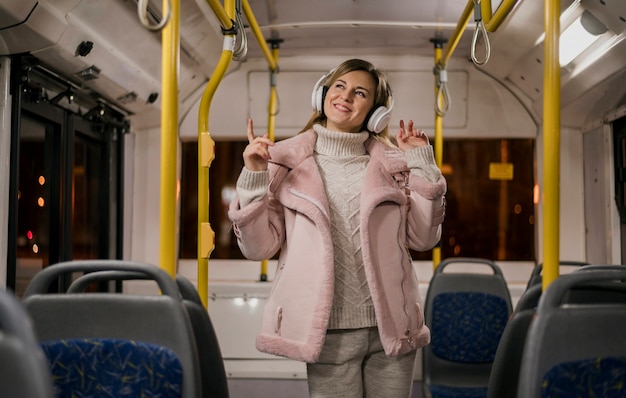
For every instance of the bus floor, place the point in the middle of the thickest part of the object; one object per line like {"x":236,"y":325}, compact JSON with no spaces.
{"x":282,"y":388}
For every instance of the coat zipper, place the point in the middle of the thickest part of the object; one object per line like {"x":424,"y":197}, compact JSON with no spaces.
{"x":311,"y":199}
{"x":405,"y":252}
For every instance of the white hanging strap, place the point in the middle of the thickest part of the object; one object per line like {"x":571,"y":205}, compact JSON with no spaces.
{"x":442,"y":101}
{"x":480,"y":29}
{"x":142,"y":12}
{"x":241,"y":48}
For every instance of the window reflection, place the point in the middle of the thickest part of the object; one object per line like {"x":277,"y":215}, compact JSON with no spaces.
{"x":488,"y":215}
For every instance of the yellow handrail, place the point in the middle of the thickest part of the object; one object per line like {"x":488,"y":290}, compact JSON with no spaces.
{"x":492,"y":23}
{"x":456,"y":35}
{"x":226,"y":18}
{"x":206,"y":154}
{"x":551,"y":142}
{"x":271,"y":124}
{"x":169,"y":137}
{"x":438,"y":147}
{"x":273,"y":63}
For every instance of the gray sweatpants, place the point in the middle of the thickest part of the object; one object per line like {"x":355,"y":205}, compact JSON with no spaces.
{"x":353,"y":364}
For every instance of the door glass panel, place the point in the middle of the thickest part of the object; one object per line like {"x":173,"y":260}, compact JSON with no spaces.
{"x":88,"y":235}
{"x":34,"y":201}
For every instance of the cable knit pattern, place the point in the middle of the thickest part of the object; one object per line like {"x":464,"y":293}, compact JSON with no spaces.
{"x":252,"y":185}
{"x":342,"y":160}
{"x":421,"y":161}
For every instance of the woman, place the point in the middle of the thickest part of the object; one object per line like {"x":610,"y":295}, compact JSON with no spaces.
{"x":342,"y":203}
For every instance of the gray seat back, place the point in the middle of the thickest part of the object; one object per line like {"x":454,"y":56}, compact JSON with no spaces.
{"x":158,"y":320}
{"x":537,"y":273}
{"x":505,"y":370}
{"x":23,"y":367}
{"x":466,"y":313}
{"x":213,"y":373}
{"x":577,"y":349}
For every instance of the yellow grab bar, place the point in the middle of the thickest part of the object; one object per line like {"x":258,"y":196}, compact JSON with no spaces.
{"x":456,"y":35}
{"x":169,"y":138}
{"x":551,"y":142}
{"x":206,"y":154}
{"x":271,"y":122}
{"x":225,"y":19}
{"x":492,"y":23}
{"x":259,"y":35}
{"x":438,"y":145}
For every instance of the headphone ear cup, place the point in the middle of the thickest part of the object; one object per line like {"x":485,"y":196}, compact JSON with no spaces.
{"x":379,"y":119}
{"x":318,"y":98}
{"x":319,"y":92}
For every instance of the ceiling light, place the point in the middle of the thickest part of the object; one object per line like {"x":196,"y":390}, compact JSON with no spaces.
{"x":579,"y":36}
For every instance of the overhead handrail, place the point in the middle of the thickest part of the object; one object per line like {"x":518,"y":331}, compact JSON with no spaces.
{"x":551,"y":142}
{"x":226,"y":21}
{"x":480,"y":30}
{"x":456,"y":35}
{"x":491,"y":22}
{"x":170,"y":37}
{"x":254,"y":26}
{"x":206,"y":145}
{"x":142,"y":12}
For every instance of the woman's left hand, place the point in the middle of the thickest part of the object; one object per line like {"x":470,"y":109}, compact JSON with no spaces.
{"x":410,"y":138}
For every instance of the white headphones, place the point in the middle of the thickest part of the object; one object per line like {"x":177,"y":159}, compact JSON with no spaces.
{"x":378,"y":118}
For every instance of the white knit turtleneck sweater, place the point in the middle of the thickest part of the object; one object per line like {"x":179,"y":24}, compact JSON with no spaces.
{"x":342,"y":160}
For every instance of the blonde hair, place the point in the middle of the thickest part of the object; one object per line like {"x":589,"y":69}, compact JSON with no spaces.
{"x":382,"y":95}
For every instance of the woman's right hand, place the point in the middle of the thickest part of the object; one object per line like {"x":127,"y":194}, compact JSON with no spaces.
{"x":256,"y":154}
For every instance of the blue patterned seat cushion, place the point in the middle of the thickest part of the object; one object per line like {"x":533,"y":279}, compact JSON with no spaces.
{"x":593,"y":377}
{"x":467,"y":326}
{"x":113,"y":368}
{"x":438,"y":391}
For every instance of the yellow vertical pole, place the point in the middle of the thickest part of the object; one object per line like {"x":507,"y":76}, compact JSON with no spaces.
{"x":438,"y":42}
{"x":206,"y":154}
{"x":551,"y":141}
{"x":271,"y":122}
{"x":169,"y":137}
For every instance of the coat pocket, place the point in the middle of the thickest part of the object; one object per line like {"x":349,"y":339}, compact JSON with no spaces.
{"x":278,"y":319}
{"x":419,"y":316}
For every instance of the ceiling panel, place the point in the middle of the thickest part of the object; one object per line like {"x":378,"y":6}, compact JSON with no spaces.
{"x":357,"y":26}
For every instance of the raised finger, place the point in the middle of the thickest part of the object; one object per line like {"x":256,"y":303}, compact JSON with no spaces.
{"x":402,"y":131}
{"x":250,"y":131}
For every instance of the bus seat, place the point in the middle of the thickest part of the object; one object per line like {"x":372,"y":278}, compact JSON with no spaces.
{"x":214,"y":381}
{"x":575,"y":348}
{"x":114,"y":367}
{"x":504,"y":376}
{"x":466,"y":313}
{"x":144,"y":323}
{"x":213,"y":373}
{"x":536,"y":274}
{"x":23,"y":368}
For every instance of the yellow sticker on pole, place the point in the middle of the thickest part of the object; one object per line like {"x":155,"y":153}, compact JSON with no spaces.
{"x":500,"y":171}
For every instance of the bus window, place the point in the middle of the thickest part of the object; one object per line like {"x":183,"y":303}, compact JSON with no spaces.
{"x":490,"y":212}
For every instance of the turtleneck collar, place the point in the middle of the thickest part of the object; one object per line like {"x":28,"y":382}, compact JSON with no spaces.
{"x":333,"y":143}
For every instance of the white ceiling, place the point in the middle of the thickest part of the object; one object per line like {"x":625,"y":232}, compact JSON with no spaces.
{"x":353,"y":26}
